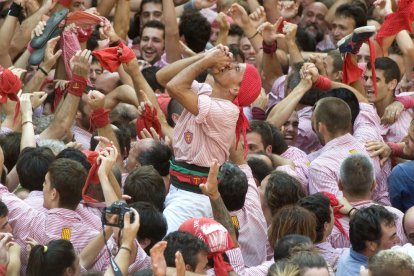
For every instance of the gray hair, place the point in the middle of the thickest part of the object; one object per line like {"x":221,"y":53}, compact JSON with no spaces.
{"x":357,"y":174}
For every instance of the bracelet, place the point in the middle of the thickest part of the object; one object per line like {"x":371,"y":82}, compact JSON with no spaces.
{"x":27,"y":123}
{"x":15,"y":10}
{"x":323,"y":83}
{"x":256,"y":33}
{"x":350,"y":211}
{"x":43,"y":71}
{"x":126,"y":248}
{"x":77,"y":85}
{"x":396,"y":149}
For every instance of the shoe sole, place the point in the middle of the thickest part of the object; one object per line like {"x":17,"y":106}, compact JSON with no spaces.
{"x":51,"y":25}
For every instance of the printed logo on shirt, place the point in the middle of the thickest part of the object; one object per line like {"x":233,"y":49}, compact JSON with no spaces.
{"x":235,"y":221}
{"x":307,"y":163}
{"x":188,"y":137}
{"x":352,"y":151}
{"x":66,"y":234}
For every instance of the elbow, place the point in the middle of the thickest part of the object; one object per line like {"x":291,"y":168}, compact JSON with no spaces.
{"x":160,"y":78}
{"x":171,"y":87}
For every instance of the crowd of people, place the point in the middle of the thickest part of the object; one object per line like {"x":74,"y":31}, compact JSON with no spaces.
{"x":206,"y":137}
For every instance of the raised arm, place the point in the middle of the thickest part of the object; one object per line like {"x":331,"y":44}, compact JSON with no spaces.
{"x":121,"y":18}
{"x":172,"y":36}
{"x":7,"y":31}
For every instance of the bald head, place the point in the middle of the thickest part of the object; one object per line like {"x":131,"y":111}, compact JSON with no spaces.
{"x":408,"y":224}
{"x":313,"y":18}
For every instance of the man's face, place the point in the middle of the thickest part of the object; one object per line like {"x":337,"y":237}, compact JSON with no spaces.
{"x":201,"y":266}
{"x":382,"y":86}
{"x":409,"y":142}
{"x":389,"y":236}
{"x":290,"y":129}
{"x":214,"y":34}
{"x":47,"y":192}
{"x":231,"y":76}
{"x":341,"y":27}
{"x":313,"y":19}
{"x":4,"y":225}
{"x":233,"y":40}
{"x":77,"y":5}
{"x":254,"y":140}
{"x":94,"y":71}
{"x":248,"y":51}
{"x":152,"y":44}
{"x":363,"y":54}
{"x":150,"y":11}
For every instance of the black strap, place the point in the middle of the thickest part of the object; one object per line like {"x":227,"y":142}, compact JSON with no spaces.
{"x":115,"y":267}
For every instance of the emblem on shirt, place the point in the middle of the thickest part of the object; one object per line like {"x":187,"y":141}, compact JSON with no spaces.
{"x":66,"y":234}
{"x":352,"y":151}
{"x":235,"y":221}
{"x":188,"y":137}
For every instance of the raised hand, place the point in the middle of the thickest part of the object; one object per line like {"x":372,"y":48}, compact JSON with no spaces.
{"x":270,"y":31}
{"x":96,"y":99}
{"x":130,"y":230}
{"x":289,"y":29}
{"x":239,"y":15}
{"x":392,"y":113}
{"x":223,"y":23}
{"x":81,"y":62}
{"x":159,"y":265}
{"x":309,"y":70}
{"x":38,"y":30}
{"x":258,"y":17}
{"x":288,"y":9}
{"x":37,"y":98}
{"x":219,"y":57}
{"x":51,"y":57}
{"x":378,"y":148}
{"x":107,"y":159}
{"x":210,"y":188}
{"x":203,"y":4}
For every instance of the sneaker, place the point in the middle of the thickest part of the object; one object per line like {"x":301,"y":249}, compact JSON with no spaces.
{"x":352,"y":42}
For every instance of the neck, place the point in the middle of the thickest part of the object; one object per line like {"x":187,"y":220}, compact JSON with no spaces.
{"x":219,"y":92}
{"x":382,"y":105}
{"x":354,"y":198}
{"x":329,"y":137}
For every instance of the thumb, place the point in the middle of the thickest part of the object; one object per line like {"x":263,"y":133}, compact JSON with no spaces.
{"x":203,"y":188}
{"x":57,"y":54}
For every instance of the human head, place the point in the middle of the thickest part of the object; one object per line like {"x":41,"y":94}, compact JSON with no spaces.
{"x":293,"y":80}
{"x":372,"y":229}
{"x":32,"y":167}
{"x":194,"y":30}
{"x":279,"y":144}
{"x":58,"y":258}
{"x":319,"y":204}
{"x":4,"y":219}
{"x":153,"y":225}
{"x":313,"y":20}
{"x":347,"y":18}
{"x":107,"y":82}
{"x":193,"y":250}
{"x":77,"y":5}
{"x":63,"y":184}
{"x":331,"y":118}
{"x":149,"y":75}
{"x":248,"y":50}
{"x":283,"y":267}
{"x":292,"y":219}
{"x":233,"y":186}
{"x":408,"y":148}
{"x":234,"y":36}
{"x":363,"y":55}
{"x":290,"y":129}
{"x":408,"y":224}
{"x":157,"y":156}
{"x":10,"y":143}
{"x":391,"y":262}
{"x":347,"y":96}
{"x":95,"y":70}
{"x":261,"y":166}
{"x":259,"y":137}
{"x":285,"y":245}
{"x":174,"y":110}
{"x":146,"y":184}
{"x":150,"y":10}
{"x":310,"y":263}
{"x":357,"y":176}
{"x":76,"y":155}
{"x":387,"y":75}
{"x":152,"y":41}
{"x":333,"y":64}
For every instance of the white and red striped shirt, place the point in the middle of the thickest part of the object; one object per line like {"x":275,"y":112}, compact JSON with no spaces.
{"x":237,"y":262}
{"x":306,"y":139}
{"x":330,"y":254}
{"x":82,"y":136}
{"x":398,"y":130}
{"x":301,"y":161}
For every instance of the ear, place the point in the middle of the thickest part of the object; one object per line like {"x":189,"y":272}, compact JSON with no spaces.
{"x":188,"y":268}
{"x":175,"y":117}
{"x":144,"y":243}
{"x":269,"y":149}
{"x":55,"y":194}
{"x":234,"y":90}
{"x":68,"y":271}
{"x":338,"y":76}
{"x":371,"y":246}
{"x":325,"y":227}
{"x":78,"y":115}
{"x":392,"y":84}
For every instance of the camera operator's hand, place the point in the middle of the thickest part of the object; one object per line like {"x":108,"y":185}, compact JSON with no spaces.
{"x":130,"y":230}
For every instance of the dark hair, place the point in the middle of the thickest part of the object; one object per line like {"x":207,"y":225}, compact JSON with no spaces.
{"x":279,"y":144}
{"x":236,"y":51}
{"x":149,"y":75}
{"x":32,"y":167}
{"x":146,"y":184}
{"x":306,"y":41}
{"x":76,"y":155}
{"x":308,"y":259}
{"x":123,"y":138}
{"x":352,"y":11}
{"x":284,"y":246}
{"x":260,"y":169}
{"x":233,"y":186}
{"x":389,"y":66}
{"x":293,"y":79}
{"x":196,"y":30}
{"x":10,"y":143}
{"x":334,"y":113}
{"x":59,"y":255}
{"x":282,"y":189}
{"x":158,"y":156}
{"x":153,"y":225}
{"x":365,"y":225}
{"x":67,"y":177}
{"x":4,"y":211}
{"x":154,"y":24}
{"x":347,"y":96}
{"x":263,"y":129}
{"x":357,"y":175}
{"x":337,"y":63}
{"x":134,"y":27}
{"x":173,"y":107}
{"x":189,"y":246}
{"x":235,"y":30}
{"x":318,"y":204}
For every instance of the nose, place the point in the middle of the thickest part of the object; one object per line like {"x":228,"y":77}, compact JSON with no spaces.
{"x":93,"y":75}
{"x":152,"y":17}
{"x":289,"y":127}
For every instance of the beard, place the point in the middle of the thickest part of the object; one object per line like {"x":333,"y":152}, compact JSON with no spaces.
{"x":314,"y":31}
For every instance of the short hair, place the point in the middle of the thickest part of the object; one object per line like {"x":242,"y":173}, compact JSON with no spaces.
{"x":154,"y":24}
{"x":306,"y":259}
{"x":76,"y":155}
{"x":292,"y":220}
{"x":196,"y":30}
{"x":10,"y":143}
{"x":32,"y":167}
{"x":357,"y":174}
{"x":233,"y":186}
{"x":4,"y":211}
{"x":365,"y":225}
{"x":285,"y":245}
{"x":318,"y":204}
{"x":68,"y":178}
{"x":334,"y":113}
{"x":149,"y":75}
{"x":352,"y":11}
{"x":389,"y":67}
{"x":153,"y":225}
{"x":173,"y":107}
{"x":282,"y":189}
{"x":189,"y":246}
{"x":146,"y":184}
{"x":263,"y":129}
{"x":391,"y":262}
{"x":338,"y":62}
{"x":293,"y":79}
{"x":158,"y":156}
{"x":260,"y":169}
{"x":347,"y":96}
{"x":235,"y":30}
{"x":236,"y":51}
{"x":279,"y":144}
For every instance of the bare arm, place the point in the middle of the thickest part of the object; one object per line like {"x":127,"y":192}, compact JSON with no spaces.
{"x":272,"y":10}
{"x":121,"y":19}
{"x":172,"y":37}
{"x":88,"y":254}
{"x":105,"y":6}
{"x":6,"y":33}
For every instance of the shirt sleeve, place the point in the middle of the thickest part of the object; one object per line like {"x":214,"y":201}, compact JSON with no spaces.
{"x":321,"y":179}
{"x":367,"y":124}
{"x":237,"y":262}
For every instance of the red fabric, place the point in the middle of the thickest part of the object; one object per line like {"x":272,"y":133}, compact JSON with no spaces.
{"x":58,"y":97}
{"x":216,"y":25}
{"x":3,"y":270}
{"x":215,"y":236}
{"x":407,"y":101}
{"x":10,"y":84}
{"x":395,"y":22}
{"x":65,"y":3}
{"x":147,"y":120}
{"x":112,"y":57}
{"x":92,"y":175}
{"x":99,"y":118}
{"x":83,"y":34}
{"x":84,"y":19}
{"x":337,"y":215}
{"x":396,"y":148}
{"x":249,"y":90}
{"x":323,"y":83}
{"x":163,"y":101}
{"x":351,"y":71}
{"x":77,"y":85}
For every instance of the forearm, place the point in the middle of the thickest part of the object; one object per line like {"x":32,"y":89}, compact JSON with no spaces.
{"x":108,"y":191}
{"x":88,"y":254}
{"x":115,"y":185}
{"x":28,"y":134}
{"x":222,"y":37}
{"x":221,"y":215}
{"x":124,"y":94}
{"x":105,"y":6}
{"x":109,"y":133}
{"x":122,"y":259}
{"x":23,"y":61}
{"x":361,"y":98}
{"x":271,"y":69}
{"x":121,"y":19}
{"x":294,"y":54}
{"x":172,"y":36}
{"x":6,"y":33}
{"x":272,"y":10}
{"x":36,"y":81}
{"x":253,"y":4}
{"x":12,"y":180}
{"x":13,"y":268}
{"x":255,"y":38}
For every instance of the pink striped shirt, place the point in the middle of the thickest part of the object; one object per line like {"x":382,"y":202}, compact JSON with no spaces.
{"x":252,"y":224}
{"x":338,"y":240}
{"x":82,"y":136}
{"x":199,"y":139}
{"x":44,"y":227}
{"x":306,"y":139}
{"x":237,"y":262}
{"x":330,"y":254}
{"x":398,"y":130}
{"x":301,"y":161}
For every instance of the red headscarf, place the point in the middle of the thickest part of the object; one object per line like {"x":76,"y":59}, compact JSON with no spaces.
{"x":112,"y":57}
{"x":10,"y":84}
{"x":248,"y":92}
{"x":215,"y":236}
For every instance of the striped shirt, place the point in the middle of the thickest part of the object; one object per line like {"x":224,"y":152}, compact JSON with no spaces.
{"x":338,"y":240}
{"x":398,"y":130}
{"x":82,"y":137}
{"x":301,"y":161}
{"x":330,"y":254}
{"x":306,"y":139}
{"x":237,"y":262}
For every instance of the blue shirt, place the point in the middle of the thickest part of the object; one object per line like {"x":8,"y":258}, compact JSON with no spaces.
{"x":350,"y":263}
{"x":401,"y":186}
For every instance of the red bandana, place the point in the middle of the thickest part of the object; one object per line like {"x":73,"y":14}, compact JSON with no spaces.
{"x":112,"y":57}
{"x":147,"y":120}
{"x":335,"y":205}
{"x":10,"y":84}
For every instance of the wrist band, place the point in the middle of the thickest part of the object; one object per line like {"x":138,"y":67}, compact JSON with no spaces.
{"x":269,"y":49}
{"x":350,"y":211}
{"x":99,"y":118}
{"x":42,"y":70}
{"x":258,"y":114}
{"x":15,"y":10}
{"x":396,"y":148}
{"x":77,"y":85}
{"x":256,"y":33}
{"x":322,"y":83}
{"x":126,"y":248}
{"x":27,"y":123}
{"x":407,"y":101}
